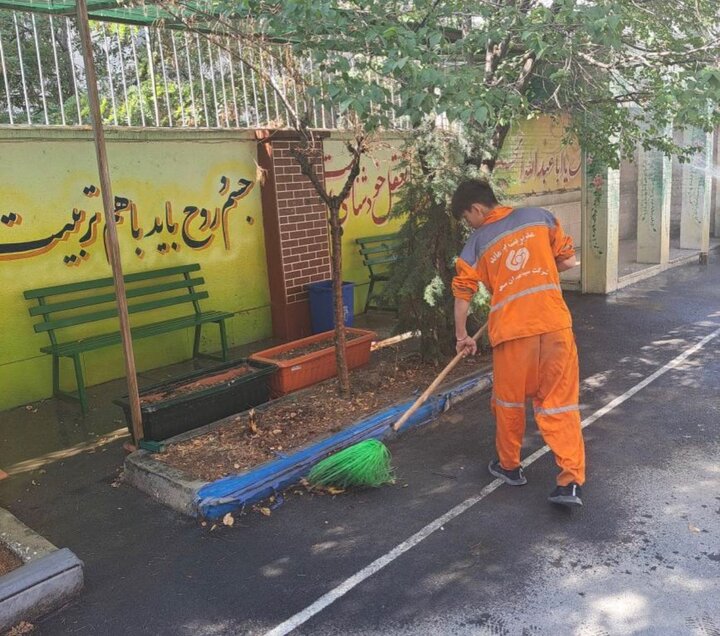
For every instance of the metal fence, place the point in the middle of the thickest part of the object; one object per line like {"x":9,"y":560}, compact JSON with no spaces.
{"x":147,"y":77}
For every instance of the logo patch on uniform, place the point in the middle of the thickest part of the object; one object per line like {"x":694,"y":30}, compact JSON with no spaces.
{"x":517,"y":259}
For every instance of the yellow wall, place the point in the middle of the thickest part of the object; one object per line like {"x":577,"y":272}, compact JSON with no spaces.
{"x":365,"y":212}
{"x":46,"y":191}
{"x":534,"y":160}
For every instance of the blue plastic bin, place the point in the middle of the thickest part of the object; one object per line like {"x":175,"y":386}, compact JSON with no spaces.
{"x":322,"y":316}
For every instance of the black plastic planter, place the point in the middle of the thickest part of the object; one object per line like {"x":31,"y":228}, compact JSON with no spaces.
{"x":178,"y":414}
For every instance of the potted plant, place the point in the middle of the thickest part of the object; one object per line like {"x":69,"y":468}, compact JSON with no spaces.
{"x":310,"y":360}
{"x":201,"y":397}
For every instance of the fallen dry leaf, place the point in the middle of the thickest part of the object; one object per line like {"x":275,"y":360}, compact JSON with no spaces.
{"x":228,"y":520}
{"x":266,"y":511}
{"x":693,"y":528}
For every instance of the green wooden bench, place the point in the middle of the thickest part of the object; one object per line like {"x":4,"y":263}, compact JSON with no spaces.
{"x":378,"y":252}
{"x":65,"y":306}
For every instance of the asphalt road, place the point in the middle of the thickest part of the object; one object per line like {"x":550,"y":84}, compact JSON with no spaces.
{"x":642,"y":557}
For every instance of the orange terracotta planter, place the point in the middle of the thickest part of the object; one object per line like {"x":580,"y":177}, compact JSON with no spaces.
{"x":305,"y":370}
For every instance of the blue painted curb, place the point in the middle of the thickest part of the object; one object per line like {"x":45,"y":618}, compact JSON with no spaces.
{"x":228,"y":494}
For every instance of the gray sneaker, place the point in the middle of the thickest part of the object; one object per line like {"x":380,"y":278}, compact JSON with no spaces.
{"x":510,"y":477}
{"x":570,"y":495}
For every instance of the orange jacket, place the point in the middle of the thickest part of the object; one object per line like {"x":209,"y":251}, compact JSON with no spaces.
{"x":514,"y":254}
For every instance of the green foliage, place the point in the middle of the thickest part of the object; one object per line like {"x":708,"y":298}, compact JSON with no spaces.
{"x":420,"y":280}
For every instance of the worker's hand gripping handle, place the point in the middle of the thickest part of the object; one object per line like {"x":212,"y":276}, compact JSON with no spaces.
{"x":428,"y":392}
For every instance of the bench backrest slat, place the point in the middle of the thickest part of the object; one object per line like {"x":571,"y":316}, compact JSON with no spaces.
{"x":382,"y":249}
{"x":100,"y":299}
{"x":378,"y":250}
{"x":111,"y":313}
{"x":382,"y":260}
{"x":108,"y":282}
{"x":365,"y":240}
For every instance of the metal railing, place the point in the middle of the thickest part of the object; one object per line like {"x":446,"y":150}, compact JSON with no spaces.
{"x":147,"y":76}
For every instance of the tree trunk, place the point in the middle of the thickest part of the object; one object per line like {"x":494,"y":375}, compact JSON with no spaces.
{"x":336,"y":266}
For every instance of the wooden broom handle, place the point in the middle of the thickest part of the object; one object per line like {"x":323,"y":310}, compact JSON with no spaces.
{"x":436,"y":382}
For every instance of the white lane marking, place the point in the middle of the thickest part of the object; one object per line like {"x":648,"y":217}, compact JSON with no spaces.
{"x":333,"y":595}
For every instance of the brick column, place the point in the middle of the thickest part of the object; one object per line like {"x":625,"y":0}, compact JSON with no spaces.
{"x":296,"y":232}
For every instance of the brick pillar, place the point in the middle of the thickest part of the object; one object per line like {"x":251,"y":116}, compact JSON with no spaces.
{"x":296,"y":232}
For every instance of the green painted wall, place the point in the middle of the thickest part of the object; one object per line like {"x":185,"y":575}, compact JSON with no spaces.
{"x":166,"y":179}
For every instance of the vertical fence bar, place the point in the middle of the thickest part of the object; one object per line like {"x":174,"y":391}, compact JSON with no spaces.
{"x":181,"y":95}
{"x":312,"y":83}
{"x":277,"y":85}
{"x":202,"y":80}
{"x":263,"y":79}
{"x":232,"y":84}
{"x":214,"y":87}
{"x":244,"y":87}
{"x":141,"y":98}
{"x":68,"y":28}
{"x":57,"y":71}
{"x":7,"y":84}
{"x":192,"y":82}
{"x":151,"y":68}
{"x":165,"y":81}
{"x":22,"y":69}
{"x":255,"y":97}
{"x":274,"y":74}
{"x":295,"y":98}
{"x":122,"y":75}
{"x":106,"y":46}
{"x":322,"y":99}
{"x":40,"y":70}
{"x":392,"y":107}
{"x":222,"y":84}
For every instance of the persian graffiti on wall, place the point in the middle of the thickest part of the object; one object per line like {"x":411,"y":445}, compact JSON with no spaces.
{"x":537,"y":159}
{"x":373,"y":193}
{"x":194,"y":227}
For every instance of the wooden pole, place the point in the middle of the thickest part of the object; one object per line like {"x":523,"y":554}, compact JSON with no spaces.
{"x":109,"y":207}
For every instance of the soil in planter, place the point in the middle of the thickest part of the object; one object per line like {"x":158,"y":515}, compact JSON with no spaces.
{"x":197,"y":385}
{"x":9,"y":561}
{"x":394,"y":374}
{"x":312,"y":348}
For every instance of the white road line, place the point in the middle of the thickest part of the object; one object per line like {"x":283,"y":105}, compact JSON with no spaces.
{"x":333,"y":595}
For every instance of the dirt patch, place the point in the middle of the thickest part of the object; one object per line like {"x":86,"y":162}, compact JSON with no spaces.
{"x":393,"y":375}
{"x":312,"y":348}
{"x":203,"y":383}
{"x":9,"y":561}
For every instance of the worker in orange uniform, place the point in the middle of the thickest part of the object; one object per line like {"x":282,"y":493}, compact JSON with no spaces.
{"x":517,"y":253}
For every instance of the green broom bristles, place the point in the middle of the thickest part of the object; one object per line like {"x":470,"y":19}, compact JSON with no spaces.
{"x":366,"y":463}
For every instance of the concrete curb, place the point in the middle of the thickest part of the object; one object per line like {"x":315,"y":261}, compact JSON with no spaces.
{"x":212,"y":500}
{"x":49,"y":578}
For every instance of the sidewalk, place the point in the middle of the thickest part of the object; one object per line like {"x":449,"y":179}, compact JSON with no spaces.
{"x":638,"y":560}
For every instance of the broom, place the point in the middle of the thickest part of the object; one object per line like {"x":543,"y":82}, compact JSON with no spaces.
{"x":367,"y":463}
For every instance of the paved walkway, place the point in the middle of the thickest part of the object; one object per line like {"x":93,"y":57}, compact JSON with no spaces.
{"x":444,"y":551}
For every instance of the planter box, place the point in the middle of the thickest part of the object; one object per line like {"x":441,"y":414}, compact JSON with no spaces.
{"x":48,"y":578}
{"x":196,"y":406}
{"x":307,"y":369}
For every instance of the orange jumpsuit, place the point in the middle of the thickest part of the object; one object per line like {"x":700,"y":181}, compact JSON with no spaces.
{"x":514,"y":254}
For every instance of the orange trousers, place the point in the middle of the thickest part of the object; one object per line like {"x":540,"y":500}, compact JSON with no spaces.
{"x":544,"y":368}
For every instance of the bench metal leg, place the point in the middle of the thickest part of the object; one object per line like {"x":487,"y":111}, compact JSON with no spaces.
{"x":56,"y":375}
{"x":196,"y":344}
{"x":369,"y":296}
{"x":80,"y":383}
{"x":223,"y":340}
